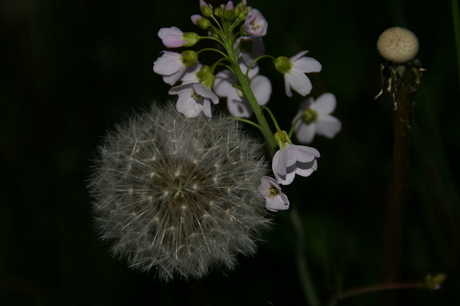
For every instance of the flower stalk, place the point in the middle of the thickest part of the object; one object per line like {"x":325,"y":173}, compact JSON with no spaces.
{"x":396,"y":205}
{"x":246,"y":88}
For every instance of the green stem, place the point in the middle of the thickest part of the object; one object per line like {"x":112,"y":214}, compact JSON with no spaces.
{"x":456,"y":22}
{"x":263,"y":124}
{"x":244,"y":85}
{"x":278,"y":129}
{"x":246,"y":121}
{"x":303,"y":270}
{"x":373,"y":288}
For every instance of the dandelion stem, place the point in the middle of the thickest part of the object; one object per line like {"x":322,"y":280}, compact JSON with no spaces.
{"x":304,"y":272}
{"x":373,"y":288}
{"x":394,"y":219}
{"x":456,"y":22}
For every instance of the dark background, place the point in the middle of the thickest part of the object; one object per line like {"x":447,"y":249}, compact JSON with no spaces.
{"x":71,"y":70}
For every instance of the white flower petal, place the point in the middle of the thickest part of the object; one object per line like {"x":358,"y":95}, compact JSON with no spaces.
{"x":298,"y":82}
{"x":190,"y":74}
{"x":307,"y":64}
{"x":262,"y":89}
{"x":289,"y":155}
{"x":168,"y":63}
{"x":327,"y":125}
{"x":325,"y":103}
{"x":258,"y":49}
{"x":223,"y":83}
{"x":287,"y":85}
{"x":238,"y":107}
{"x":305,"y":132}
{"x":187,"y":105}
{"x":306,"y":169}
{"x":307,"y":154}
{"x":207,"y":108}
{"x":273,"y":202}
{"x":205,"y":92}
{"x":255,"y":24}
{"x":298,"y":55}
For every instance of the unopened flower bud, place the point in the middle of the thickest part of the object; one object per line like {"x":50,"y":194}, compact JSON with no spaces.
{"x":206,"y":9}
{"x":283,"y":64}
{"x":202,"y":22}
{"x":206,"y":76}
{"x":190,"y":39}
{"x":189,"y":57}
{"x":398,"y":45}
{"x":219,"y":11}
{"x":282,"y":139}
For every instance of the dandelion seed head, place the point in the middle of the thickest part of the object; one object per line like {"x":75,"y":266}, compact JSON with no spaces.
{"x":178,"y":195}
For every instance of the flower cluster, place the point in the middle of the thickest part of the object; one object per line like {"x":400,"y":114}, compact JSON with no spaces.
{"x":239,"y":30}
{"x":200,"y":85}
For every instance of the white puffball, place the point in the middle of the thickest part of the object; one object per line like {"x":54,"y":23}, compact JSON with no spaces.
{"x":398,"y":45}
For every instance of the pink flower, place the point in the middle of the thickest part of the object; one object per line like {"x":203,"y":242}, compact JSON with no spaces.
{"x":255,"y":24}
{"x":275,"y":199}
{"x":229,"y":6}
{"x":172,"y":37}
{"x":315,"y":118}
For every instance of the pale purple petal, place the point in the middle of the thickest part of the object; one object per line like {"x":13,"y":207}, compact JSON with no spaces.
{"x":306,"y":169}
{"x":325,"y":103}
{"x":205,"y":92}
{"x":258,"y":49}
{"x":193,"y":99}
{"x":287,"y":178}
{"x":278,"y":166}
{"x":190,"y":74}
{"x":280,"y":202}
{"x":327,"y":125}
{"x":171,"y":37}
{"x":195,"y":18}
{"x":262,"y":89}
{"x":297,"y":56}
{"x":307,"y":154}
{"x":186,"y":104}
{"x":305,"y":132}
{"x":287,"y":85}
{"x":229,"y":6}
{"x":273,"y":202}
{"x":298,"y":82}
{"x":285,"y":166}
{"x":294,"y":160}
{"x":289,"y":155}
{"x":207,"y":108}
{"x":306,"y":65}
{"x":168,"y":63}
{"x":170,"y":67}
{"x":255,"y":24}
{"x":252,"y":72}
{"x":237,"y":106}
{"x":223,"y":83}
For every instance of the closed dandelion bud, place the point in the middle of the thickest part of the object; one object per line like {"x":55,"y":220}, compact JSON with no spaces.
{"x":179,"y":195}
{"x":398,"y":45}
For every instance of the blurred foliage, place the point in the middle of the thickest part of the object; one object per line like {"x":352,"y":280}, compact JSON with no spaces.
{"x":70,"y":70}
